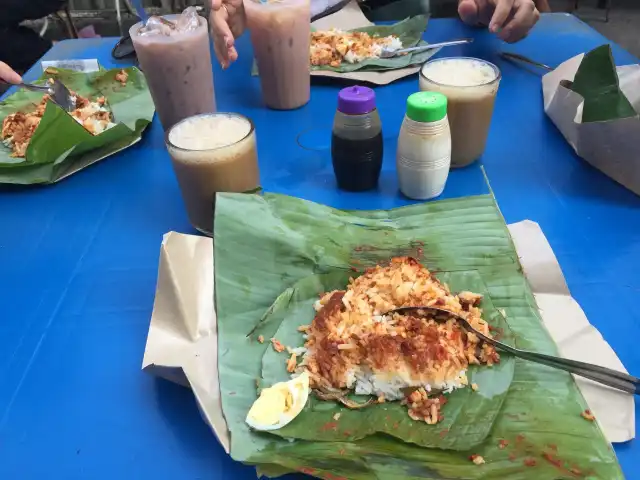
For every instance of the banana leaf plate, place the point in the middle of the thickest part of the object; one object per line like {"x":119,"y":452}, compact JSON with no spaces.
{"x":267,"y":245}
{"x":60,"y":146}
{"x":410,"y":33}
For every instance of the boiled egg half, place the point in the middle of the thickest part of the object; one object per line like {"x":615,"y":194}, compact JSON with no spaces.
{"x":278,"y":405}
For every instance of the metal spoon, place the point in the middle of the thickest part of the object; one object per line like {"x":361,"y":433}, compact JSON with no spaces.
{"x":59,"y":94}
{"x":606,"y":376}
{"x":144,"y":17}
{"x":521,"y":58}
{"x":386,"y":53}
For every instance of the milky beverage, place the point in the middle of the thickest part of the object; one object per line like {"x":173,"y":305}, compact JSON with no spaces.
{"x":212,"y":153}
{"x":176,"y":62}
{"x":470,"y":86}
{"x":280,"y":34}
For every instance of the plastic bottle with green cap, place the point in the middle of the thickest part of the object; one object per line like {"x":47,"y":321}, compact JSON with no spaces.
{"x":424,"y":146}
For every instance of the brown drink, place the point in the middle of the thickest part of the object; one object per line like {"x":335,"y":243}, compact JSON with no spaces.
{"x":470,"y":86}
{"x":280,"y":34}
{"x":177,"y":65}
{"x":212,"y":153}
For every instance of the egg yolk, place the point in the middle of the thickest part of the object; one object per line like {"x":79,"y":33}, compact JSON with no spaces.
{"x":271,"y":404}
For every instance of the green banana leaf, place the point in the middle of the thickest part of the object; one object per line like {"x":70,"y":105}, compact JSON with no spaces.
{"x":468,"y":415}
{"x":60,"y":145}
{"x":597,"y":82}
{"x":410,"y":33}
{"x":277,"y":241}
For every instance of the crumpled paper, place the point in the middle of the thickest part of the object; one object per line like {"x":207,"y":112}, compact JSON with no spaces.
{"x":612,"y":147}
{"x":182,"y":341}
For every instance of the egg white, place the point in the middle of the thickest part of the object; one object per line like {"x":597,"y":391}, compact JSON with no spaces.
{"x":299,"y":390}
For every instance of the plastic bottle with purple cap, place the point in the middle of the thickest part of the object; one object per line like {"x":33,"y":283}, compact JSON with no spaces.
{"x":356,"y":141}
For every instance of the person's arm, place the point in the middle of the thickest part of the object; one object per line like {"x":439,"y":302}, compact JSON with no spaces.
{"x":8,"y":75}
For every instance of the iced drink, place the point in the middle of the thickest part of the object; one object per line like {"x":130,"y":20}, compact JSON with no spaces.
{"x":470,"y":86}
{"x":280,"y":34}
{"x":176,"y":61}
{"x":212,"y":153}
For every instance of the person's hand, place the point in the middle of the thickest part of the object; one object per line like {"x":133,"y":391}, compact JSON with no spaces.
{"x":511,"y":20}
{"x":227,"y":23}
{"x":8,"y":74}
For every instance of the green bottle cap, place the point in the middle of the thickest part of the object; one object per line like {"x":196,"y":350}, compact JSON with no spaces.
{"x":426,"y":106}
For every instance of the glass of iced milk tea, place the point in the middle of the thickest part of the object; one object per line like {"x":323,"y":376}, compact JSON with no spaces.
{"x":280,"y":34}
{"x":470,"y":85}
{"x":175,"y":57}
{"x":212,"y":153}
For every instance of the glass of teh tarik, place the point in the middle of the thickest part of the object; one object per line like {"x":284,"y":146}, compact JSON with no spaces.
{"x":212,"y":153}
{"x":470,"y":85}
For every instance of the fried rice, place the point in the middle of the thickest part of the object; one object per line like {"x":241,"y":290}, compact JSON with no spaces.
{"x":18,"y":128}
{"x":333,"y":47}
{"x":352,"y":345}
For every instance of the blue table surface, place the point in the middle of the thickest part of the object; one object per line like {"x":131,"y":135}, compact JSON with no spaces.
{"x":78,"y":260}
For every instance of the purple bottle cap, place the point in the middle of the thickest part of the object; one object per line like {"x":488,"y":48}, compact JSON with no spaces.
{"x":356,"y":100}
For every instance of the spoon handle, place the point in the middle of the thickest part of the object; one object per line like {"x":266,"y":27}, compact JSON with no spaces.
{"x":521,"y":58}
{"x":599,"y":374}
{"x":137,"y":5}
{"x":35,"y":88}
{"x":603,"y":375}
{"x":431,"y":46}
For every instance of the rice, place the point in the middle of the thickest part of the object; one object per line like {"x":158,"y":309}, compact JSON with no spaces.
{"x":333,"y":47}
{"x":393,"y":43}
{"x":393,"y":387}
{"x":353,"y":345}
{"x":351,"y":57}
{"x":298,"y":351}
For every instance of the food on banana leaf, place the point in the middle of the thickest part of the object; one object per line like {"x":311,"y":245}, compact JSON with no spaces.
{"x":352,"y":345}
{"x":274,"y":261}
{"x":345,"y":51}
{"x":333,"y":47}
{"x":92,"y":114}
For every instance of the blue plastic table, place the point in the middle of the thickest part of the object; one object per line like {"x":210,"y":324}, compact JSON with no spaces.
{"x":78,"y":261}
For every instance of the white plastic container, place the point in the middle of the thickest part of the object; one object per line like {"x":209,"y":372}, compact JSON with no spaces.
{"x":424,"y":146}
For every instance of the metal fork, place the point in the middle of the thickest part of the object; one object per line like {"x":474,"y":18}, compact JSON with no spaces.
{"x":386,"y":53}
{"x":521,"y":58}
{"x":605,"y":376}
{"x":57,"y":91}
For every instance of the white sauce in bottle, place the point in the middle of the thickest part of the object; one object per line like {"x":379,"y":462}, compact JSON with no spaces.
{"x":424,"y":146}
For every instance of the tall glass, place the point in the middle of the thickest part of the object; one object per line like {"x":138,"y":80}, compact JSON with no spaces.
{"x":280,"y":34}
{"x":212,"y":153}
{"x":178,"y":70}
{"x":470,"y":85}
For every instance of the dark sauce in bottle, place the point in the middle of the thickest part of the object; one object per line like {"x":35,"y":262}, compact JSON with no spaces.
{"x":356,"y":141}
{"x":357,"y":163}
